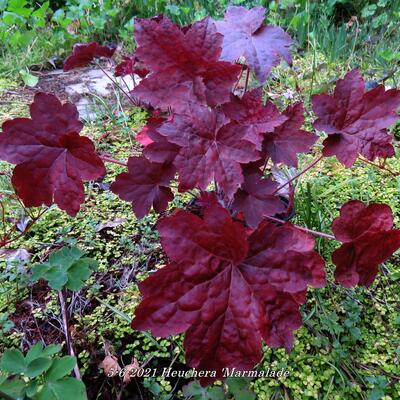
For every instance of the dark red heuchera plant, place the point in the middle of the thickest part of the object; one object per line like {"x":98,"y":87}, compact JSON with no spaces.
{"x":238,"y":271}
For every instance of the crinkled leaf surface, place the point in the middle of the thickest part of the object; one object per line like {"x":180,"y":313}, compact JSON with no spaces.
{"x":251,"y":112}
{"x":355,"y":120}
{"x":184,"y":64}
{"x":256,"y":197}
{"x":288,"y":139}
{"x":52,"y":158}
{"x":146,"y":184}
{"x":130,"y":65}
{"x":245,"y":35}
{"x":368,"y":240}
{"x":212,"y":147}
{"x":83,"y":53}
{"x":157,"y":148}
{"x":228,"y":290}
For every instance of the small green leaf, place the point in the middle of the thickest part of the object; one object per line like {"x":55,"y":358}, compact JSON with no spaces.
{"x":12,"y":387}
{"x":60,"y":368}
{"x":29,"y":79}
{"x":37,"y":367}
{"x":80,"y":272}
{"x":66,"y":268}
{"x":197,"y":392}
{"x":13,"y":361}
{"x":34,"y":352}
{"x":239,"y":387}
{"x":51,"y":349}
{"x":39,"y":270}
{"x":64,"y":389}
{"x":32,"y":388}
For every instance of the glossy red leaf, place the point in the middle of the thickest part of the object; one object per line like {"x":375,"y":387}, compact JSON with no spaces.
{"x":256,"y":198}
{"x":228,"y":290}
{"x":355,"y":120}
{"x":184,"y":64}
{"x":129,"y":66}
{"x":288,"y":139}
{"x":146,"y":184}
{"x":52,"y":159}
{"x":252,"y":113}
{"x":212,"y":148}
{"x":368,"y":240}
{"x":157,"y":148}
{"x":83,"y":53}
{"x":245,"y":35}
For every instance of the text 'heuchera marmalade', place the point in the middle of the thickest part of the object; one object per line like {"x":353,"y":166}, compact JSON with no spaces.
{"x":238,"y":271}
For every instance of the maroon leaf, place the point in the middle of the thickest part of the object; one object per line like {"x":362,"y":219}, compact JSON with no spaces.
{"x":251,"y":112}
{"x":256,"y":198}
{"x":129,"y":66}
{"x":52,"y":159}
{"x":84,"y":53}
{"x":157,"y":148}
{"x":245,"y":35}
{"x":288,"y":139}
{"x":145,"y":185}
{"x":368,"y":240}
{"x":228,"y":290}
{"x":355,"y":120}
{"x":211,"y":148}
{"x":184,"y":65}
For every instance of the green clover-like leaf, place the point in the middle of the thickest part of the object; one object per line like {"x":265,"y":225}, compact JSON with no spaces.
{"x":66,"y":268}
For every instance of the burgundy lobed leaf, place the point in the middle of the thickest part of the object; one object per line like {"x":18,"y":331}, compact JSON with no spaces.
{"x":245,"y":35}
{"x":212,"y":148}
{"x":157,"y":148}
{"x":368,"y":240}
{"x":184,"y":64}
{"x":52,"y":158}
{"x":288,"y":139}
{"x":256,"y":198}
{"x":83,"y":53}
{"x":355,"y":120}
{"x":227,"y":289}
{"x":129,"y":66}
{"x":251,"y":112}
{"x":146,"y":184}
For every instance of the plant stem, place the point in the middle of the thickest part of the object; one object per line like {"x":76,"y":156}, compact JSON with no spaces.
{"x":317,"y":160}
{"x":68,"y":341}
{"x":247,"y":80}
{"x":5,"y":241}
{"x":117,"y":84}
{"x":237,"y":82}
{"x":111,"y":160}
{"x":315,"y":233}
{"x":380,"y":166}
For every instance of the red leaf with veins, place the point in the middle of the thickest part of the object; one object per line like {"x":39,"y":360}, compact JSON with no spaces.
{"x":52,"y":159}
{"x":157,"y":148}
{"x":184,"y":64}
{"x":288,"y":139}
{"x":251,"y":112}
{"x":211,"y":148}
{"x":129,"y":66}
{"x":84,"y":53}
{"x":226,"y":289}
{"x":145,"y":185}
{"x":245,"y":35}
{"x":368,"y":240}
{"x":256,"y":198}
{"x":356,"y":120}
